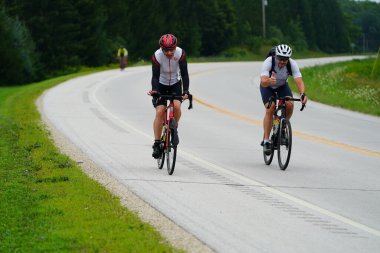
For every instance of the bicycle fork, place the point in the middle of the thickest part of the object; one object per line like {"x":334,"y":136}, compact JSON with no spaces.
{"x":167,"y":126}
{"x":172,"y":126}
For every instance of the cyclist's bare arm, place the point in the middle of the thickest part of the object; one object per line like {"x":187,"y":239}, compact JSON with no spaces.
{"x":301,"y":88}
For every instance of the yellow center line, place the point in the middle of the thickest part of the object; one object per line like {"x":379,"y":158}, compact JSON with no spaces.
{"x":295,"y":133}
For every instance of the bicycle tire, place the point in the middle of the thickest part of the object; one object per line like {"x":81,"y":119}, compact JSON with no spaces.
{"x":161,"y":161}
{"x":171,"y":154}
{"x":268,"y":158}
{"x":284,"y":143}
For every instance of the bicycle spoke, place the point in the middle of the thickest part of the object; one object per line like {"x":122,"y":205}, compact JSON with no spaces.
{"x":161,"y":161}
{"x":268,"y":158}
{"x":284,"y":144}
{"x":171,"y":155}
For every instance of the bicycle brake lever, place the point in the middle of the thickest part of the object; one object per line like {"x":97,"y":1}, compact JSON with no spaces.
{"x":190,"y":97}
{"x":155,"y":94}
{"x":303,"y":107}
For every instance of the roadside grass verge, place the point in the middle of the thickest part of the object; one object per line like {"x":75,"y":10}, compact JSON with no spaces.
{"x":47,"y":204}
{"x":349,"y":85}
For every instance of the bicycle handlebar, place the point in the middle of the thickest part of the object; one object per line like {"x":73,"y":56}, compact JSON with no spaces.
{"x":173,"y":96}
{"x":272,"y":99}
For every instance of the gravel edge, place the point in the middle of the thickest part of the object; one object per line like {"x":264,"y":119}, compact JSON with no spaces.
{"x":173,"y":233}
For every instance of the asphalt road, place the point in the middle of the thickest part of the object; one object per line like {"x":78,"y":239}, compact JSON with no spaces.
{"x":328,"y":200}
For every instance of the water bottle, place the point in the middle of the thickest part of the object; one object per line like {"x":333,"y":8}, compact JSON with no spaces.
{"x":163,"y":133}
{"x":276,"y":122}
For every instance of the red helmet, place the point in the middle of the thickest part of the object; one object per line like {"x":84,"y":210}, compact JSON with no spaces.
{"x":168,"y":41}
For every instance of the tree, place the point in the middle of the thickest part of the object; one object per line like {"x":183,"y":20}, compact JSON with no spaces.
{"x":364,"y":24}
{"x":296,"y":36}
{"x":248,"y":20}
{"x":217,"y":21}
{"x":148,"y":21}
{"x":118,"y":26}
{"x":18,"y":61}
{"x":332,"y":36}
{"x":188,"y":29}
{"x":55,"y":28}
{"x":94,"y":47}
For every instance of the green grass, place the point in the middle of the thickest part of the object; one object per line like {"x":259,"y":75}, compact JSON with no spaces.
{"x":47,"y":204}
{"x":348,"y":85}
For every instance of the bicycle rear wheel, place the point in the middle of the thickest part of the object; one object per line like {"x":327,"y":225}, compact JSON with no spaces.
{"x":171,"y":153}
{"x":284,"y":143}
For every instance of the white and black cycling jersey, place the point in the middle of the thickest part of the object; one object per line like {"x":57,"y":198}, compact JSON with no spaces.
{"x":281,"y":74}
{"x":169,"y":71}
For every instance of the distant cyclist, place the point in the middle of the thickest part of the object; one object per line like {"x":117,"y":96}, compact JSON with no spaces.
{"x":275,"y":78}
{"x":169,"y":75}
{"x":122,"y":57}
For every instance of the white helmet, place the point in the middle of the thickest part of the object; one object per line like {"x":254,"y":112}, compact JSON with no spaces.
{"x":283,"y":50}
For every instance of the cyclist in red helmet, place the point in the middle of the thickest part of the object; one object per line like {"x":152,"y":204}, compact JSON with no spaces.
{"x":169,"y":75}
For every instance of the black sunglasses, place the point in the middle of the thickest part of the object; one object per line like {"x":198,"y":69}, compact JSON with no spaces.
{"x":282,"y":58}
{"x":168,"y":49}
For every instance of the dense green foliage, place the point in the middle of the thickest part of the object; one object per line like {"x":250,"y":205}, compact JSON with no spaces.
{"x":47,"y":203}
{"x":17,"y":66}
{"x":364,"y":25}
{"x":50,"y":37}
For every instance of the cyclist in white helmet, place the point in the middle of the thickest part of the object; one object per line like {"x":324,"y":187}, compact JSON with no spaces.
{"x":274,"y":77}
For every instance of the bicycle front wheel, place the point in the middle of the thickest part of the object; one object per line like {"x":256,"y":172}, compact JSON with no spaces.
{"x":284,"y":143}
{"x":269,"y":157}
{"x":171,"y":153}
{"x":161,"y":161}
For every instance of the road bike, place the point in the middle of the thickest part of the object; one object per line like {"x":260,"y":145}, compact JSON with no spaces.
{"x":169,"y":135}
{"x":281,"y":133}
{"x":122,"y":62}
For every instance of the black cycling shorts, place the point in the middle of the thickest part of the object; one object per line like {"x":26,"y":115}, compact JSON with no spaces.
{"x":168,"y":90}
{"x":267,"y":92}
